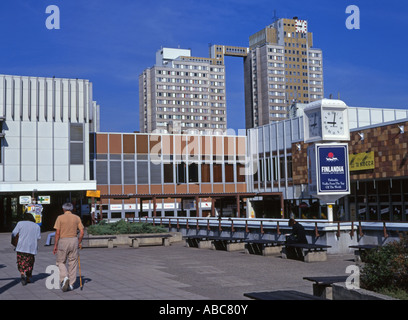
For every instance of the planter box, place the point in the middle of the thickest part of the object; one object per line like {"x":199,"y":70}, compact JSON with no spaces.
{"x":340,"y":292}
{"x":123,"y":239}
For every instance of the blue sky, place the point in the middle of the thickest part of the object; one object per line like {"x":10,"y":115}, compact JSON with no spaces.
{"x":112,"y":42}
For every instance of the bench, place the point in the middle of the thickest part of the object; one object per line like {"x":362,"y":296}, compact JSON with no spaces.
{"x":96,"y":241}
{"x":197,"y":241}
{"x":360,"y":254}
{"x":152,"y":239}
{"x":306,"y":252}
{"x":215,"y":242}
{"x":263,"y":247}
{"x":282,"y":295}
{"x":227,"y":243}
{"x":322,"y":286}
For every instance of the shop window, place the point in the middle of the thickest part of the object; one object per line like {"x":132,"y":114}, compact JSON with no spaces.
{"x":155,"y":173}
{"x":240,"y":173}
{"x":229,"y":173}
{"x":205,"y":173}
{"x":129,"y":172}
{"x":181,"y":173}
{"x":102,"y":172}
{"x":261,"y":170}
{"x":275,"y":168}
{"x":217,"y":171}
{"x":282,"y":167}
{"x":168,"y":173}
{"x":115,"y":172}
{"x":142,"y":169}
{"x":193,"y":172}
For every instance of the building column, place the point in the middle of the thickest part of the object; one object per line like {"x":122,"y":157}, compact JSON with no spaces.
{"x":238,"y":206}
{"x":154,"y":206}
{"x":197,"y":201}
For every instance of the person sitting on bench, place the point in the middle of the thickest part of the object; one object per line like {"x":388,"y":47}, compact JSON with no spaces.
{"x":298,"y":235}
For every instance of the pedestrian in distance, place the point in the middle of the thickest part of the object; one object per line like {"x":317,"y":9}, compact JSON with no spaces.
{"x":25,"y":237}
{"x":67,"y":244}
{"x":298,"y":235}
{"x":95,"y":217}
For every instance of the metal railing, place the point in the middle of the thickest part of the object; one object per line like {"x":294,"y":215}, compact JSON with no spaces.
{"x":263,"y":225}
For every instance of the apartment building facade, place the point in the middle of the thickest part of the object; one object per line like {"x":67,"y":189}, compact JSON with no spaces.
{"x":281,"y":68}
{"x":183,"y":93}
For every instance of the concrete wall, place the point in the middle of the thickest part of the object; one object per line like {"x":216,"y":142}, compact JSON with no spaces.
{"x":37,"y":147}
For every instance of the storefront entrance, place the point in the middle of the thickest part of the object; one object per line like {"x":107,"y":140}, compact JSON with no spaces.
{"x":379,"y":200}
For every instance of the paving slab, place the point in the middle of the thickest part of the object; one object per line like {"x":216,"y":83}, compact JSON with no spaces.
{"x":175,"y":272}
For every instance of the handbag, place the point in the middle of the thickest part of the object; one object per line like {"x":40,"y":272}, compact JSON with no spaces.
{"x":14,"y":240}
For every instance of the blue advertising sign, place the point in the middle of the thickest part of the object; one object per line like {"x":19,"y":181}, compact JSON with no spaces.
{"x":332,"y":168}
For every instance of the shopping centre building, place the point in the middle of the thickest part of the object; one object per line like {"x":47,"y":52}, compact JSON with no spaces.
{"x":51,"y":148}
{"x":45,"y":127}
{"x":378,"y":155}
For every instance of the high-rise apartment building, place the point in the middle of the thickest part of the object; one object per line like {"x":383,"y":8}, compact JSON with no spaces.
{"x":183,"y":92}
{"x":281,"y":68}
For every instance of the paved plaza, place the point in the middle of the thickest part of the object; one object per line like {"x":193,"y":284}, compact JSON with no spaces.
{"x":163,"y":273}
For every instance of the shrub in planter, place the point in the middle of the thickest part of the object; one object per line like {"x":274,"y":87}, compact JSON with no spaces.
{"x":123,"y":227}
{"x":386,"y":269}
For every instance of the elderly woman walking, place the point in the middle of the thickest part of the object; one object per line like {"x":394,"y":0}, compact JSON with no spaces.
{"x":28,"y":233}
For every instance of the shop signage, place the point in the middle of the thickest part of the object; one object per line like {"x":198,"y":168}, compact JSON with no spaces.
{"x":93,"y":193}
{"x":333,"y":170}
{"x":25,"y":199}
{"x":362,"y":161}
{"x":329,"y":169}
{"x":43,"y":199}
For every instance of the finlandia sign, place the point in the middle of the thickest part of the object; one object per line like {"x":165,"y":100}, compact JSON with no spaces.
{"x":329,"y":175}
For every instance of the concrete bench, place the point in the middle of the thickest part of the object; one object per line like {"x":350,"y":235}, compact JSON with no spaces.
{"x":197,"y":241}
{"x":263,"y":247}
{"x":308,"y":252}
{"x":281,"y":295}
{"x":227,"y":243}
{"x":322,"y":286}
{"x":362,"y":249}
{"x":215,"y":242}
{"x":101,"y":241}
{"x":150,"y":240}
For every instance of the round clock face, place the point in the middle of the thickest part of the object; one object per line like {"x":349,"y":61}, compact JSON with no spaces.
{"x":333,"y":123}
{"x":315,"y":124}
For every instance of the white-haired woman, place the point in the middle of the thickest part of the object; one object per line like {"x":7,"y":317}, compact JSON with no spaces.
{"x":28,"y":233}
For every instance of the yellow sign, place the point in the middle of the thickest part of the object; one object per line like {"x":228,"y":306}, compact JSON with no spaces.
{"x":37,"y":218}
{"x":362,"y":161}
{"x":93,"y":193}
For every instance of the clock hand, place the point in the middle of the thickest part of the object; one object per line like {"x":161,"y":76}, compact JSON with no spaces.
{"x":314,"y":124}
{"x":334,"y":120}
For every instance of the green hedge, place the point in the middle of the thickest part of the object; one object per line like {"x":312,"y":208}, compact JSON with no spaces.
{"x":386,"y":269}
{"x":123,"y":227}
